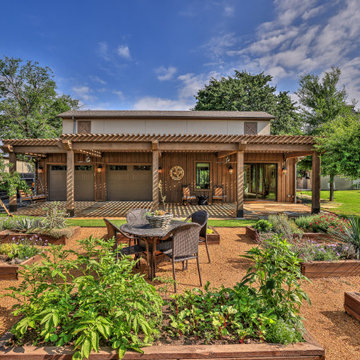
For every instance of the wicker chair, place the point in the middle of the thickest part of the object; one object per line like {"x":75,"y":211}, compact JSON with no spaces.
{"x":185,"y":246}
{"x":218,"y":193}
{"x":187,"y":198}
{"x":201,"y":217}
{"x":113,"y":231}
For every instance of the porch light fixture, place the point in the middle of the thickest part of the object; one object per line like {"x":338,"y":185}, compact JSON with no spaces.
{"x":284,"y":170}
{"x":230,"y":169}
{"x":87,"y":159}
{"x":99,"y":168}
{"x":160,"y":170}
{"x":40,"y":170}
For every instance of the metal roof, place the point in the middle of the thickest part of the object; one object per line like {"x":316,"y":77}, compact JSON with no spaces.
{"x":148,"y":114}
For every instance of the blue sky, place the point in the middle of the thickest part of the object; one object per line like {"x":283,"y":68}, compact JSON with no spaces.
{"x":142,"y":54}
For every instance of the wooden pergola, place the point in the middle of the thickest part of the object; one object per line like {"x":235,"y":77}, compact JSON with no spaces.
{"x":95,"y":145}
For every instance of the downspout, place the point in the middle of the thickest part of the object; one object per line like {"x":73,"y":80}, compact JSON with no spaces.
{"x":74,"y":124}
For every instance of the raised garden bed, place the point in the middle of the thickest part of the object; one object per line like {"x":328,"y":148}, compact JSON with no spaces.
{"x":7,"y":236}
{"x":309,"y":349}
{"x":213,"y":238}
{"x":318,"y":237}
{"x":339,"y":268}
{"x":10,"y":271}
{"x":352,"y":304}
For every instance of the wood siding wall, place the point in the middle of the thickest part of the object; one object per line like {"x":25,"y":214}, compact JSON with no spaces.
{"x":172,"y":188}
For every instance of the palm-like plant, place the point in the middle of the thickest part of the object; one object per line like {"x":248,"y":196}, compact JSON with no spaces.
{"x":351,"y":234}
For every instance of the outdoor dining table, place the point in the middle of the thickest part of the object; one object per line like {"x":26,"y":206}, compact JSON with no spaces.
{"x":151,"y":237}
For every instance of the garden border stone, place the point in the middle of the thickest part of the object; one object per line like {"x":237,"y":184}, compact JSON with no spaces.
{"x":309,"y":349}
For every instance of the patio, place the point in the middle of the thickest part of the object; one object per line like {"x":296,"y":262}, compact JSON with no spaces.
{"x":111,"y":209}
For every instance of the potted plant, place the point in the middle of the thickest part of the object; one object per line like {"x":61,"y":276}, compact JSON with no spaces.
{"x":159,"y":218}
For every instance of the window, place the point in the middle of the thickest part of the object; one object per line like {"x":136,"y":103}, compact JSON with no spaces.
{"x":203,"y":175}
{"x":84,"y":127}
{"x":142,"y":167}
{"x":83,"y":167}
{"x":250,"y":128}
{"x":118,"y":167}
{"x":58,"y":167}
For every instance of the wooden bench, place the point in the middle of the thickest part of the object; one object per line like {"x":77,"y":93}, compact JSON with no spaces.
{"x":29,"y":196}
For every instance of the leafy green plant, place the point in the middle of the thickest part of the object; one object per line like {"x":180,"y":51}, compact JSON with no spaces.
{"x":265,"y":305}
{"x":20,"y":251}
{"x":263,"y":226}
{"x":285,"y":226}
{"x":350,"y":233}
{"x":276,"y":270}
{"x":105,"y":304}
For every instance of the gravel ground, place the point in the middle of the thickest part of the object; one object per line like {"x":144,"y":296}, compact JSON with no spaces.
{"x":325,"y":318}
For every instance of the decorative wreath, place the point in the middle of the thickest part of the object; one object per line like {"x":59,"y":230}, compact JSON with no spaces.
{"x":177,"y":172}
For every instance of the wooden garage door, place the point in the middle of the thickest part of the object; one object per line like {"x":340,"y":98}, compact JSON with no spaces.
{"x":57,"y":182}
{"x":129,"y":182}
{"x":84,"y":183}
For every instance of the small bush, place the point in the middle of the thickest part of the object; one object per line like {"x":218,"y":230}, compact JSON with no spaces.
{"x":55,"y":217}
{"x":282,"y":225}
{"x":322,"y":223}
{"x":281,"y":332}
{"x":263,"y":226}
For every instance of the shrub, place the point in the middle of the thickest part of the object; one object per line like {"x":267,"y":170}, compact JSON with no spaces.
{"x":282,"y":225}
{"x":20,"y":251}
{"x":107,"y":304}
{"x":322,"y":223}
{"x":263,"y":226}
{"x":349,"y":233}
{"x":265,"y":302}
{"x":55,"y":216}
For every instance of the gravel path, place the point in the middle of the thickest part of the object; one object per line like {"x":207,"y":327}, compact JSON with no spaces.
{"x":325,"y":318}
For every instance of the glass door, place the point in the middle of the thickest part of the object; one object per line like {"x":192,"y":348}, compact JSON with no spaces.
{"x":260,"y":182}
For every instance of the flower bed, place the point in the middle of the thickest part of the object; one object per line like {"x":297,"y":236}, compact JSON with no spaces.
{"x":352,"y":304}
{"x":56,"y":237}
{"x":213,"y":237}
{"x":322,"y":254}
{"x":88,"y":299}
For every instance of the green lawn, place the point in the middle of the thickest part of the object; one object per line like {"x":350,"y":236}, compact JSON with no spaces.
{"x":346,"y":202}
{"x":100,"y":223}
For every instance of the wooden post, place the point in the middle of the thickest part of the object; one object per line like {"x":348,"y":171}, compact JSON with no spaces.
{"x":240,"y":184}
{"x":70,"y":202}
{"x":316,"y":173}
{"x":12,"y":169}
{"x":155,"y":174}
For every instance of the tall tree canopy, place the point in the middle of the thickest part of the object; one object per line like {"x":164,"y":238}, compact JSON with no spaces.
{"x":321,"y":99}
{"x":323,"y":104}
{"x":29,"y":102}
{"x":247,"y":92}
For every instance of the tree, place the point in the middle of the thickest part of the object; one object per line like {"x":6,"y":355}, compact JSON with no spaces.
{"x":341,"y":146}
{"x":322,"y":102}
{"x":246,"y":92}
{"x":10,"y":182}
{"x":29,"y":102}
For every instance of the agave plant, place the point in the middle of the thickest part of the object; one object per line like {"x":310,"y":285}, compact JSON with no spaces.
{"x":350,"y":234}
{"x":27,"y":224}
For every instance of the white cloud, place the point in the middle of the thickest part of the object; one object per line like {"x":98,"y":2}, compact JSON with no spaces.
{"x":229,"y":10}
{"x":84,"y":93}
{"x":154,"y":103}
{"x":165,"y":73}
{"x":124,"y":51}
{"x":218,"y":46}
{"x":103,"y":50}
{"x":119,"y":94}
{"x":98,"y":80}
